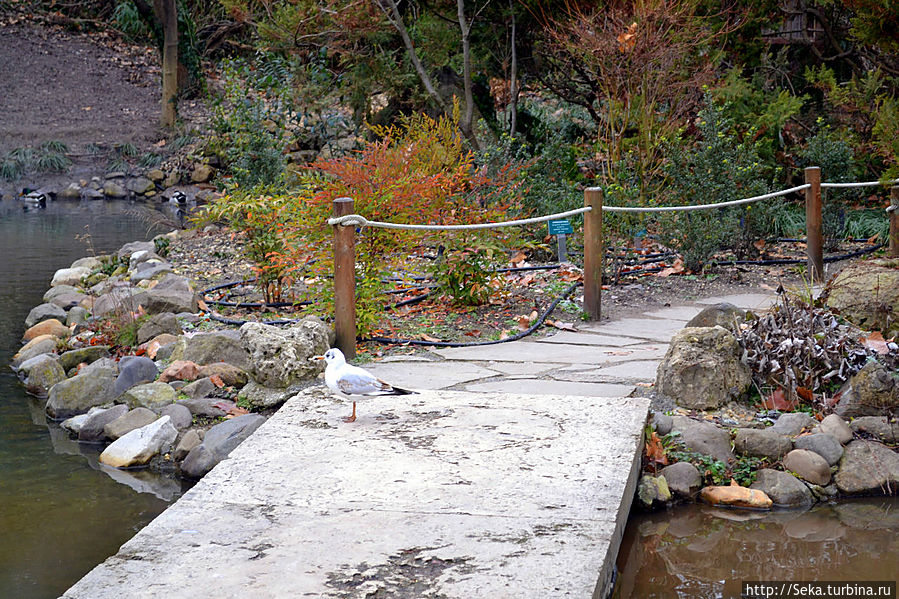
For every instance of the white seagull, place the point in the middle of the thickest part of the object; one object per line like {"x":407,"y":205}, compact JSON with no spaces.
{"x":347,"y":380}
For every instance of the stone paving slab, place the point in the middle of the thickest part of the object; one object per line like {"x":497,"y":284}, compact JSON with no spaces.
{"x":747,"y":301}
{"x":428,"y":375}
{"x":638,"y":370}
{"x":526,"y":352}
{"x":588,"y":338}
{"x":683,"y":313}
{"x":643,"y":328}
{"x":553,"y":387}
{"x":442,"y":494}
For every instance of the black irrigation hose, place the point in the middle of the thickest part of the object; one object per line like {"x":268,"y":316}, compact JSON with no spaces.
{"x":538,"y":323}
{"x":256,"y":304}
{"x":232,"y":321}
{"x":827,"y":259}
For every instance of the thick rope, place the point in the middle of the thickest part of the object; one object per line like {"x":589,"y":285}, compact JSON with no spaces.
{"x":357,"y":220}
{"x":860,"y":184}
{"x":766,"y":196}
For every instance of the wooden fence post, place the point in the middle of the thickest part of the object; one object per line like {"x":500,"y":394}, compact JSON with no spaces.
{"x":345,"y":280}
{"x":894,"y":222}
{"x":814,"y":225}
{"x":593,"y":252}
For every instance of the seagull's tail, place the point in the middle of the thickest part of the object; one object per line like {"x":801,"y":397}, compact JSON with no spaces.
{"x":398,"y":391}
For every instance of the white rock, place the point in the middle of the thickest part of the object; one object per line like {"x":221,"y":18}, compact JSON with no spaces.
{"x":69,"y":276}
{"x":75,"y":423}
{"x":140,"y":445}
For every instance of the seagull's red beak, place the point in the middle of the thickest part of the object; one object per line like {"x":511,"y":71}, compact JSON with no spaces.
{"x":316,"y":358}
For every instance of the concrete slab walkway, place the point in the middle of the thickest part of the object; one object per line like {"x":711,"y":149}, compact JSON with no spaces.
{"x":510,"y":475}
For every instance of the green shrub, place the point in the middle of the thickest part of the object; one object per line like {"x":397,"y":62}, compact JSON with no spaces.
{"x":465,"y":276}
{"x":837,"y":161}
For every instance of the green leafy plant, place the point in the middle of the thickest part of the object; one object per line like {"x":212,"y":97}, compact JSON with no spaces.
{"x":161,"y":245}
{"x":466,"y":276}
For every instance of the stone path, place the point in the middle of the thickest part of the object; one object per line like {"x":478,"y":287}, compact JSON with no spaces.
{"x":510,"y":475}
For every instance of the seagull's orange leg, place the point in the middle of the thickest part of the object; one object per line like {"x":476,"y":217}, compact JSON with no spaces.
{"x":353,"y":417}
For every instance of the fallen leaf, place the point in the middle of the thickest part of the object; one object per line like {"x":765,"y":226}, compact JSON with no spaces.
{"x":677,"y":267}
{"x":777,"y":400}
{"x":203,"y":306}
{"x":473,"y":333}
{"x":524,"y":323}
{"x":655,"y":452}
{"x":160,"y":143}
{"x":759,"y":245}
{"x":561,"y":325}
{"x":504,"y":334}
{"x":526,"y":280}
{"x":518,"y":257}
{"x":876,"y":342}
{"x":619,"y":353}
{"x":235,"y":411}
{"x":426,"y":337}
{"x":217,"y":381}
{"x":805,"y":394}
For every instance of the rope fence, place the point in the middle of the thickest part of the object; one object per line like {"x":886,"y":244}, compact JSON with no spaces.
{"x":345,"y":222}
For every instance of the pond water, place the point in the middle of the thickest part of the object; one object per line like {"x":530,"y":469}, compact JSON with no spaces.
{"x":60,"y":513}
{"x":699,"y":551}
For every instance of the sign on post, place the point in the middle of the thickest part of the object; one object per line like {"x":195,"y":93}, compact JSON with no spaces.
{"x":561,"y":228}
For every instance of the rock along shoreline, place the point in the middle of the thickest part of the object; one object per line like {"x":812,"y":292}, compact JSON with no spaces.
{"x":124,"y":358}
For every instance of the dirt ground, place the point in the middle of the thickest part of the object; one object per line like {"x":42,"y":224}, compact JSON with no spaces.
{"x":80,"y":89}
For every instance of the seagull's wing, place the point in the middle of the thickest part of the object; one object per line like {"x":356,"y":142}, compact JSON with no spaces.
{"x":356,"y":381}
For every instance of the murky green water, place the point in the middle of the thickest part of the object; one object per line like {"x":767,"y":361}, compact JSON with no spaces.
{"x":703,"y":552}
{"x":60,"y":514}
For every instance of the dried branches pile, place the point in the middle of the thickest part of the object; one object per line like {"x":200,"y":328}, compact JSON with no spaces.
{"x":804,"y":351}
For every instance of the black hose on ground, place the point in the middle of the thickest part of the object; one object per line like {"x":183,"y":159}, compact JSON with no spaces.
{"x":537,"y":324}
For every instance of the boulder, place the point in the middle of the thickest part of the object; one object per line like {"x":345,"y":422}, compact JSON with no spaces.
{"x":45,"y":344}
{"x":146,"y":271}
{"x":885,"y":429}
{"x":170,"y":300}
{"x":135,"y":246}
{"x":661,"y":422}
{"x":180,"y":370}
{"x":111,"y":189}
{"x":232,"y":376}
{"x":121,"y":300}
{"x":69,"y":276}
{"x":105,"y":366}
{"x":140,"y":185}
{"x":217,"y":346}
{"x":792,"y":423}
{"x":153,"y":396}
{"x":74,"y":424}
{"x":702,"y":369}
{"x":158,"y":324}
{"x":80,"y":393}
{"x":92,"y":431}
{"x":180,"y":415}
{"x":683,"y":479}
{"x":201,"y":173}
{"x":263,"y":398}
{"x":129,"y":421}
{"x":50,"y":326}
{"x":55,"y":292}
{"x":153,"y":346}
{"x":76,"y":315}
{"x":809,"y":466}
{"x":89,"y":354}
{"x":67,"y":301}
{"x":704,"y":438}
{"x":871,"y":391}
{"x":134,"y":370}
{"x":43,"y":371}
{"x":173,"y":282}
{"x":199,"y":388}
{"x":653,"y":491}
{"x":190,"y":440}
{"x":218,"y":442}
{"x":723,"y":315}
{"x":140,"y":445}
{"x":762,"y":443}
{"x":821,"y":443}
{"x":142,"y":256}
{"x":836,"y":427}
{"x":784,"y":489}
{"x":866,"y":293}
{"x":209,"y":407}
{"x":281,"y":357}
{"x":735,"y":496}
{"x":868,"y":468}
{"x":43,"y":312}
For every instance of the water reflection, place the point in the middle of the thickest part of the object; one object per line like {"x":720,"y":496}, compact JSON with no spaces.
{"x":700,"y":551}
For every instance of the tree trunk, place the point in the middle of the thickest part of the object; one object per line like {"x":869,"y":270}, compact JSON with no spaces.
{"x":468,"y":117}
{"x":390,"y":9}
{"x":166,"y":13}
{"x":513,"y":81}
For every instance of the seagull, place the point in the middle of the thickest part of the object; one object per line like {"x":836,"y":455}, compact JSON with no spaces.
{"x":347,"y":380}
